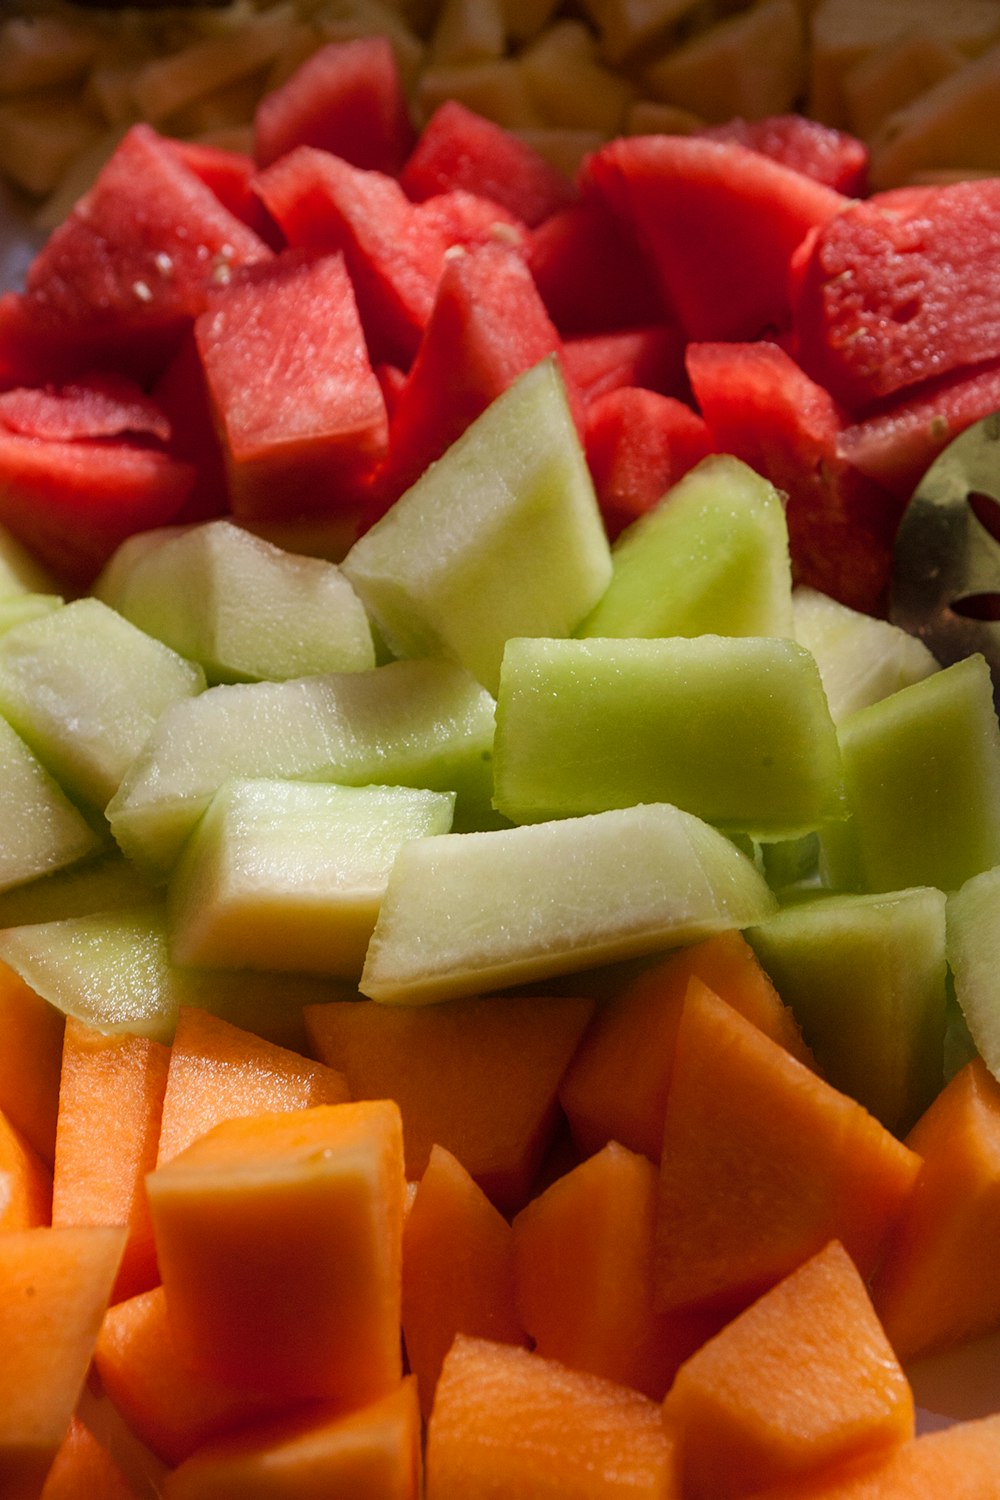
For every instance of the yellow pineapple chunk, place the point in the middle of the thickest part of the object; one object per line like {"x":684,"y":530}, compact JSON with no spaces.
{"x":525,"y":19}
{"x":954,"y":124}
{"x":40,"y":136}
{"x":752,"y":65}
{"x":468,"y":31}
{"x":892,"y":77}
{"x":648,"y":117}
{"x":166,"y":85}
{"x":562,"y":146}
{"x":570,"y":85}
{"x":497,"y":89}
{"x":39,"y":52}
{"x":624,"y":26}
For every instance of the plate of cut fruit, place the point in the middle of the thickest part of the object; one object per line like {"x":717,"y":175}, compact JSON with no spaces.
{"x":497,"y":916}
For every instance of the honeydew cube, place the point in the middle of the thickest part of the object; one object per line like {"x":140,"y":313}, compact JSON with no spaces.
{"x":105,"y":882}
{"x":501,"y":537}
{"x":752,"y":64}
{"x":241,"y":607}
{"x":733,"y":729}
{"x":412,"y":723}
{"x":922,"y":773}
{"x":289,"y":875}
{"x":712,"y":557}
{"x":112,"y":970}
{"x":83,"y":687}
{"x":866,"y":977}
{"x":40,"y":829}
{"x":861,"y":659}
{"x":973,"y":940}
{"x":18,"y":609}
{"x":467,"y":913}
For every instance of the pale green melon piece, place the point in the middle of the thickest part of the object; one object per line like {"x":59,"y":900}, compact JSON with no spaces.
{"x":18,"y":609}
{"x":106,"y":882}
{"x":468,"y":913}
{"x":973,"y":917}
{"x":242,"y":608}
{"x":20,"y":570}
{"x":290,"y":875}
{"x":866,"y":977}
{"x":83,"y":688}
{"x":501,"y":537}
{"x":113,"y":971}
{"x":712,"y":558}
{"x":412,"y":723}
{"x":861,"y":659}
{"x":922,"y":772}
{"x":40,"y":829}
{"x":735,"y":729}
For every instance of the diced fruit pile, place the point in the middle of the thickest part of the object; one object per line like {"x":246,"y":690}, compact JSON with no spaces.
{"x":510,"y":1010}
{"x":915,"y":79}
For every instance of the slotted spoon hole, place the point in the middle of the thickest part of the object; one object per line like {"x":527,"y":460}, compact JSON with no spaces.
{"x":986,"y":509}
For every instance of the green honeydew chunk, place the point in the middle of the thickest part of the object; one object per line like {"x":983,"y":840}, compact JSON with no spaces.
{"x":242,"y":608}
{"x":501,"y":537}
{"x":733,"y":729}
{"x":40,"y":829}
{"x":973,"y":926}
{"x":290,"y":875}
{"x":83,"y":687}
{"x":866,"y":977}
{"x":412,"y":723}
{"x":861,"y":659}
{"x":468,"y":913}
{"x":922,"y":772}
{"x":712,"y":558}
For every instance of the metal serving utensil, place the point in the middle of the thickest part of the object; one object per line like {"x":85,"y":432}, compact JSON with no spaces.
{"x":945,"y":585}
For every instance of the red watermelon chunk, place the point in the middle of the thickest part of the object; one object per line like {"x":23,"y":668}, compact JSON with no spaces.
{"x":348,"y":98}
{"x":229,"y":174}
{"x":762,"y":408}
{"x":488,"y":326}
{"x":718,"y":223}
{"x":651,"y":357}
{"x":590,"y":271}
{"x":72,"y":502}
{"x":819,"y":151}
{"x":639,"y":443}
{"x":897,"y":443}
{"x":461,"y":149}
{"x":95,"y":406}
{"x":394,"y":249}
{"x":130,"y":267}
{"x":901,"y":289}
{"x":295,"y":396}
{"x":182,"y":393}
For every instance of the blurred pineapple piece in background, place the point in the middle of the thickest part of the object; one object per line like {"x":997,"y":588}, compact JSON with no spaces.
{"x":41,"y":52}
{"x":164,"y":86}
{"x":569,"y":84}
{"x":752,"y":64}
{"x":469,"y":31}
{"x":893,"y":76}
{"x":41,"y":135}
{"x":346,"y":20}
{"x":952,"y":127}
{"x":497,"y":89}
{"x":624,"y":27}
{"x":844,"y":32}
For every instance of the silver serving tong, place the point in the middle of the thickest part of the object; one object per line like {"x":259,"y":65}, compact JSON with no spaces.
{"x":945,"y":585}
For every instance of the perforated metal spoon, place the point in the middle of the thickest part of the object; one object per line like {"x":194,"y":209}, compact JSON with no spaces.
{"x":945,"y":584}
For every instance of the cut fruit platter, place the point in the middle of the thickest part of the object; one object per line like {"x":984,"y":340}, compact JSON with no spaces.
{"x":498,"y":917}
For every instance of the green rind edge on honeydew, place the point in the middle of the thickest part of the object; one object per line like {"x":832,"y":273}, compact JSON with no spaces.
{"x":866,"y":978}
{"x":711,"y":558}
{"x":289,"y":875}
{"x":973,"y":939}
{"x":468,"y":913}
{"x":83,"y":687}
{"x":416,"y":723}
{"x":502,"y":536}
{"x":734,"y":729}
{"x":112,"y":970}
{"x":922,"y":773}
{"x":861,"y":659}
{"x":242,"y":608}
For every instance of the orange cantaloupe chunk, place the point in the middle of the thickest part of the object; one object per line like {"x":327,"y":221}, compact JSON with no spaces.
{"x":54,"y":1289}
{"x":85,"y":1469}
{"x":172,"y":1405}
{"x":30,"y":1062}
{"x":803,"y":1378}
{"x":938,"y":1281}
{"x":615,"y":1088}
{"x":110,"y":1100}
{"x":219,"y":1071}
{"x":279,"y":1240}
{"x":763,"y":1163}
{"x":584,"y":1267}
{"x":370,"y":1454}
{"x":458,"y":1270}
{"x":477,"y":1076}
{"x":957,"y":1463}
{"x":25,"y":1181}
{"x":508,"y":1422}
